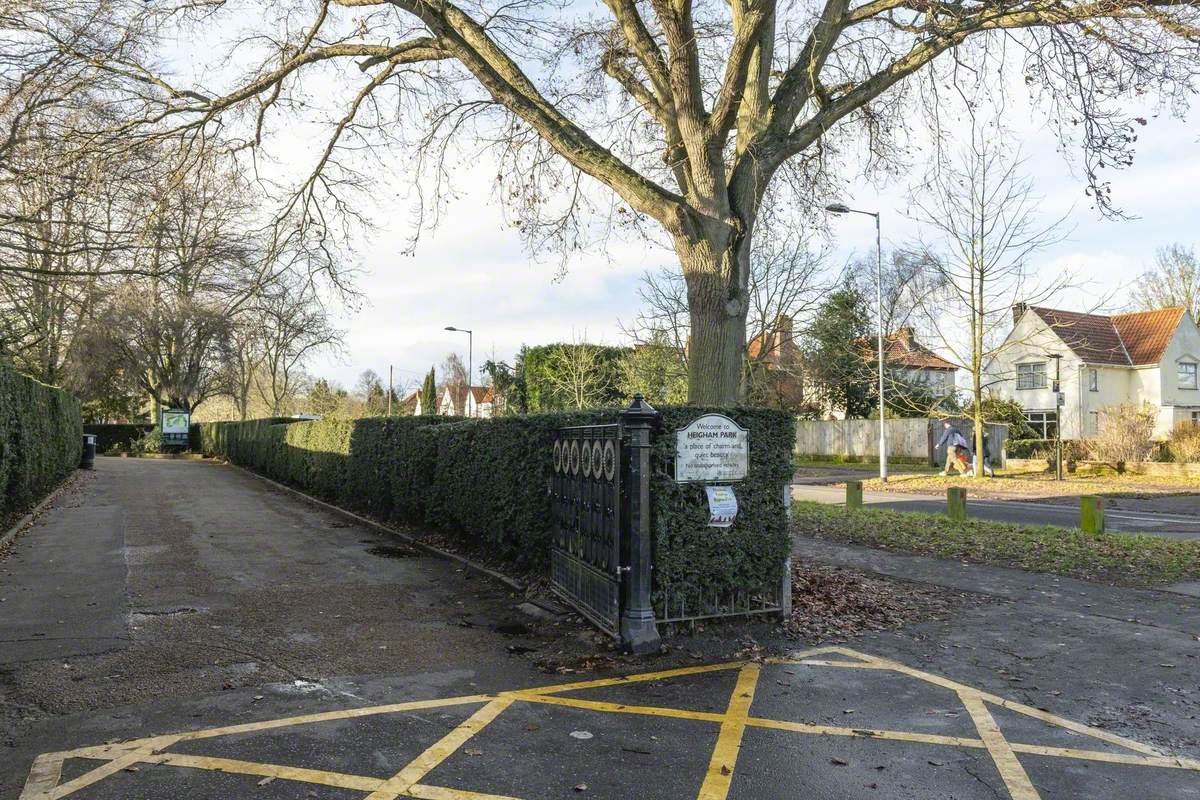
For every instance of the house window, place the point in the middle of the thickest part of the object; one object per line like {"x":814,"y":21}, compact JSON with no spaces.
{"x":1186,"y":371}
{"x":1094,"y":421}
{"x":1093,"y":380}
{"x":1032,"y":376}
{"x":1044,"y":423}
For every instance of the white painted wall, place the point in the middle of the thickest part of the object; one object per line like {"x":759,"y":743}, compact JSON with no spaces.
{"x":1031,"y":339}
{"x":1178,"y":403}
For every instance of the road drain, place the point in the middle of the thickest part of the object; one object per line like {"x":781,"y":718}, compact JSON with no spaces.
{"x":392,"y":551}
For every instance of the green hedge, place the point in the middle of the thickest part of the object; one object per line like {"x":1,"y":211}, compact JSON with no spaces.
{"x":117,"y":435}
{"x":41,"y":435}
{"x":486,"y":481}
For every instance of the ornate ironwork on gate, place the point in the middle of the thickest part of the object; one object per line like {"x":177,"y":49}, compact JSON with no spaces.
{"x":585,"y":555}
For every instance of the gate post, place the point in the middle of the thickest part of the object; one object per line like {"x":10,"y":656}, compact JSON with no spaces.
{"x":638,"y":632}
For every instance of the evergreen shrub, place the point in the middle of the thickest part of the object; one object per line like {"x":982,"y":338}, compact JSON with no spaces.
{"x":41,"y":440}
{"x":486,"y":482}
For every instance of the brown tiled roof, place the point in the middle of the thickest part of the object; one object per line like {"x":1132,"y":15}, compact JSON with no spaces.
{"x":1147,"y":333}
{"x":1122,"y":340}
{"x":902,"y":349}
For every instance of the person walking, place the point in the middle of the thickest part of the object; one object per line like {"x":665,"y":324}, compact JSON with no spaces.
{"x":956,"y":449}
{"x":986,"y":460}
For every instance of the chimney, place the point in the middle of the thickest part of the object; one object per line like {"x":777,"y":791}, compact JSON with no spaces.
{"x":1019,"y":310}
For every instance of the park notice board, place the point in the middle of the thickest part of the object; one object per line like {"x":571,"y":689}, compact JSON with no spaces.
{"x":712,"y":448}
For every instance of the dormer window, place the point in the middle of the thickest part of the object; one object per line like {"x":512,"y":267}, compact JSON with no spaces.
{"x":1186,"y":372}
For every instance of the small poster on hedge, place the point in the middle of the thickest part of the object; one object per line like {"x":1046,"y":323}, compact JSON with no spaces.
{"x":722,"y":506}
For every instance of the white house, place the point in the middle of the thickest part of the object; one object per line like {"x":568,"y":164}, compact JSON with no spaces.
{"x":480,"y":401}
{"x":1149,"y":357}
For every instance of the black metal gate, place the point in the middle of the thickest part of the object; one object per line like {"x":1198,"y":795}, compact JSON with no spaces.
{"x":585,"y":555}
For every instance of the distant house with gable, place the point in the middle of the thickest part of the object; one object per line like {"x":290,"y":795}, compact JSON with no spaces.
{"x":1144,"y":357}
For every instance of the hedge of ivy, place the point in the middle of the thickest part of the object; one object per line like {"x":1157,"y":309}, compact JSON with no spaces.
{"x":116,"y":436}
{"x":486,"y":482}
{"x":41,"y":435}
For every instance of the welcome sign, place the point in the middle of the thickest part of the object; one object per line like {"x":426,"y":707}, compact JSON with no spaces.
{"x":712,"y":448}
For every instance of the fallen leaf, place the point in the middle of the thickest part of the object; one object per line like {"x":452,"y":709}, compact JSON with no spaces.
{"x":266,"y":780}
{"x":581,"y":734}
{"x":473,"y":752}
{"x":937,"y":763}
{"x":725,"y":770}
{"x":841,"y":762}
{"x":581,"y":787}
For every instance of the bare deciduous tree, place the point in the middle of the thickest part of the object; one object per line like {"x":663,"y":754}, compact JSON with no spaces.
{"x":697,"y":115}
{"x":1174,"y":281}
{"x":576,"y":373}
{"x":987,"y":225}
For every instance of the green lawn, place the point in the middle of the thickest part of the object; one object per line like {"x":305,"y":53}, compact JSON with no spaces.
{"x":1119,"y":558}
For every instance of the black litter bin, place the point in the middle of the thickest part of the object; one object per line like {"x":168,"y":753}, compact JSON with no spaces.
{"x":88,"y":460}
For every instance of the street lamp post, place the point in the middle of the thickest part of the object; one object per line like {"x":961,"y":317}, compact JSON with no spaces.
{"x":842,"y":208}
{"x":1058,"y":407}
{"x":470,"y":358}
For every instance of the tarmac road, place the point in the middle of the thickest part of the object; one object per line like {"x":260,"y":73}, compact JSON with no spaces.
{"x":1181,"y":526}
{"x":180,"y":629}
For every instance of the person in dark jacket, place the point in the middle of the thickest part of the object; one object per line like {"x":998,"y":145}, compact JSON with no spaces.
{"x":987,"y":459}
{"x":956,"y":449}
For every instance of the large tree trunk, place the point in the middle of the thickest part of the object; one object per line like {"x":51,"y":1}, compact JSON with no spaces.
{"x":716,"y":268}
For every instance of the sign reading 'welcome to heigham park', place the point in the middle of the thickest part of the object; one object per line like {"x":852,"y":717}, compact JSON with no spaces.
{"x":712,"y":448}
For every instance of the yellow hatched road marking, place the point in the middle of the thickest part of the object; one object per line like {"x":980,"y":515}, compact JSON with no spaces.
{"x":44,"y":775}
{"x":423,"y":764}
{"x":338,"y":779}
{"x":1014,"y":775}
{"x":865,"y":733}
{"x":618,"y":708}
{"x":729,"y":741}
{"x":1012,"y":705}
{"x":640,"y":678}
{"x":423,"y":792}
{"x":103,"y":771}
{"x":47,"y":768}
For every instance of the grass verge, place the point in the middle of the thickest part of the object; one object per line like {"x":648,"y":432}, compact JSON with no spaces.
{"x":1118,"y":558}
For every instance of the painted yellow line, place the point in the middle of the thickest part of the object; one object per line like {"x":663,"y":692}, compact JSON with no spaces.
{"x":44,"y":775}
{"x":816,"y":662}
{"x":347,"y":713}
{"x":423,"y":792}
{"x":1011,"y":771}
{"x":1012,"y":705}
{"x":1165,"y":762}
{"x":639,"y":678}
{"x":865,"y":733}
{"x":729,"y":741}
{"x":617,"y":708}
{"x":340,"y":780}
{"x":99,"y":773}
{"x":423,"y":764}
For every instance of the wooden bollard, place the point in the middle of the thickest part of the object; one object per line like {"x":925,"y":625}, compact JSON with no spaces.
{"x":853,"y":495}
{"x":1091,"y":513}
{"x":956,"y":502}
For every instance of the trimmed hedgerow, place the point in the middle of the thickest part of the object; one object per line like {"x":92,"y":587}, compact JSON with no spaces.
{"x":486,"y":481}
{"x":41,"y":435}
{"x":116,"y":436}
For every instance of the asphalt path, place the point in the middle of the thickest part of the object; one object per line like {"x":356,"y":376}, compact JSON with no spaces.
{"x":182,"y":630}
{"x":1173,"y":525}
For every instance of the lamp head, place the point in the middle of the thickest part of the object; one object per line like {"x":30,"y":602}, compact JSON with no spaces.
{"x":451,"y":328}
{"x":838,"y":208}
